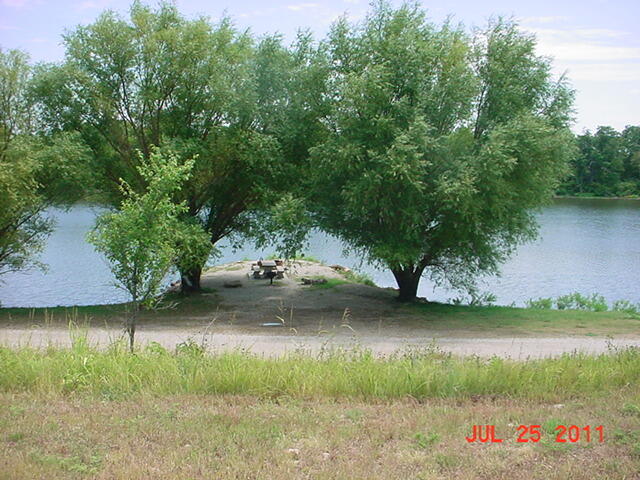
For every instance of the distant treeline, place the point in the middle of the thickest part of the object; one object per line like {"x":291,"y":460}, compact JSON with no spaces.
{"x":607,"y":164}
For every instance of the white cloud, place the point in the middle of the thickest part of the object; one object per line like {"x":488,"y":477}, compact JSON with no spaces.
{"x":302,"y":6}
{"x":588,"y":52}
{"x":93,"y":4}
{"x":604,"y":72}
{"x":550,"y":19}
{"x":14,"y":3}
{"x":87,"y":5}
{"x":581,"y":44}
{"x":257,"y":13}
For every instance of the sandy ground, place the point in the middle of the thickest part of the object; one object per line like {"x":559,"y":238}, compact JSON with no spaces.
{"x":309,"y":319}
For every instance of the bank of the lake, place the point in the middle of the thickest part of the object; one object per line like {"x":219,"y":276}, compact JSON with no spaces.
{"x":289,"y":316}
{"x":585,"y":245}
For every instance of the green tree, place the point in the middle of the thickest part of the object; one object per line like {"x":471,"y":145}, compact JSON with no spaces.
{"x":631,"y":152}
{"x":142,"y":240}
{"x":607,"y":164}
{"x":36,"y":170}
{"x":441,"y":144}
{"x":200,"y":90}
{"x":600,"y":162}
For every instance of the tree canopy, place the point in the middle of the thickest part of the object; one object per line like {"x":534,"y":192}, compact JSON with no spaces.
{"x":242,"y":108}
{"x":426,"y":148}
{"x":607,"y":164}
{"x":36,"y":170}
{"x":144,"y":239}
{"x":441,"y":144}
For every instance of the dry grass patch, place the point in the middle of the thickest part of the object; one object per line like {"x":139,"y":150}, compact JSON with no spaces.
{"x":244,"y":437}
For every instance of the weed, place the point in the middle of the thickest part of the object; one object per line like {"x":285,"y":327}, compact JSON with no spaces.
{"x":577,"y":301}
{"x":540,"y":303}
{"x":15,"y":437}
{"x":625,"y":306}
{"x":426,"y":441}
{"x":631,"y":409}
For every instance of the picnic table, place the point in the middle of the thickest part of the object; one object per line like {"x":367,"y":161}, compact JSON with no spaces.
{"x":268,"y":269}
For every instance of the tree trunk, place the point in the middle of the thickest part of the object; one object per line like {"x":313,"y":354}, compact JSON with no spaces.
{"x":190,"y":280}
{"x":408,"y":279}
{"x":130,"y":328}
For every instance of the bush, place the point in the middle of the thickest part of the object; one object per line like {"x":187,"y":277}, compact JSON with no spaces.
{"x":540,"y":303}
{"x":576,"y":301}
{"x":625,"y":306}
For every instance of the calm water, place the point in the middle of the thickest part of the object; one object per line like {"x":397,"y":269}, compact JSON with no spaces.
{"x":585,"y":246}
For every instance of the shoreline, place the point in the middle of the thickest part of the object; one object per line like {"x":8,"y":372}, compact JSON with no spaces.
{"x":578,"y":197}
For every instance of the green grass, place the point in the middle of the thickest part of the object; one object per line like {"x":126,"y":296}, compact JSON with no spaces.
{"x":347,"y":277}
{"x":479,"y":320}
{"x":357,"y":277}
{"x":82,"y":413}
{"x":460,"y":320}
{"x":330,"y":283}
{"x":336,"y":374}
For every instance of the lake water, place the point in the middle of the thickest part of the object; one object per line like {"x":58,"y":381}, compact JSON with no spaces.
{"x":585,"y":245}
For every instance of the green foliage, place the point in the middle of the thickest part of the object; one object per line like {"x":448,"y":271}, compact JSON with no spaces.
{"x":540,"y":303}
{"x":285,"y":225}
{"x":576,"y":301}
{"x":190,"y":348}
{"x":625,"y":306}
{"x":631,"y":409}
{"x":441,"y":145}
{"x":608,"y":164}
{"x":337,"y":374}
{"x":354,"y":276}
{"x":426,"y":441}
{"x":23,"y":228}
{"x":141,"y":240}
{"x":145,"y":238}
{"x":245,"y":110}
{"x":36,"y":170}
{"x":329,"y":283}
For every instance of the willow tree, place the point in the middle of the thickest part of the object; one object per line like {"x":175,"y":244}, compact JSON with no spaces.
{"x":442,"y":144}
{"x":36,"y":170}
{"x":204,"y":91}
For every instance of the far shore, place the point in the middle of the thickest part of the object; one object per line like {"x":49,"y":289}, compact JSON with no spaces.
{"x":580,"y":197}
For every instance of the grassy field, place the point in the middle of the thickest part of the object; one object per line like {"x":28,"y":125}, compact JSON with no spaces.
{"x":80,"y":413}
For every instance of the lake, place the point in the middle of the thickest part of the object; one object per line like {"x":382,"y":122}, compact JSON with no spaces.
{"x":585,"y":245}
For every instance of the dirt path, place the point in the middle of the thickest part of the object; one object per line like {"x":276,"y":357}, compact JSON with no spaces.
{"x":277,"y":344}
{"x":311,"y":319}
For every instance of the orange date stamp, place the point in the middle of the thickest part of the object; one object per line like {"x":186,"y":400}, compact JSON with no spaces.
{"x":534,"y":433}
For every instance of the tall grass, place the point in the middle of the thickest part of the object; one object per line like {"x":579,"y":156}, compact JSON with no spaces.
{"x":353,"y":374}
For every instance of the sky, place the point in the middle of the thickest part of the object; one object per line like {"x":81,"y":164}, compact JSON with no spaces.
{"x":596,"y":42}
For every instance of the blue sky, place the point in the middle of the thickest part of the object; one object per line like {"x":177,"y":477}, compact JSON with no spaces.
{"x":596,"y":42}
